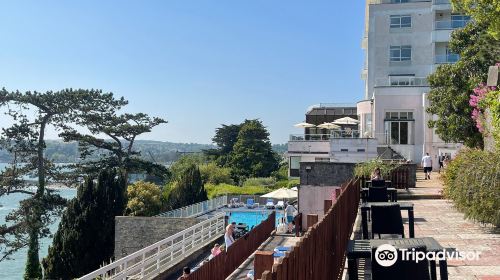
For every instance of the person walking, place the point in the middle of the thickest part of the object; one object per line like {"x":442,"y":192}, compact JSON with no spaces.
{"x":427,"y":165}
{"x":440,"y":161}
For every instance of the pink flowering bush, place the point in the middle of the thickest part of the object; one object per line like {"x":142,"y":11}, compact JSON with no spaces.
{"x":480,"y":93}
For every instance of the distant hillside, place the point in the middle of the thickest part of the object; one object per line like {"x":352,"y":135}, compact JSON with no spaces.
{"x":162,"y":152}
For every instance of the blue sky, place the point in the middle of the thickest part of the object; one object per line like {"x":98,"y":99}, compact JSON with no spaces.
{"x":197,"y":64}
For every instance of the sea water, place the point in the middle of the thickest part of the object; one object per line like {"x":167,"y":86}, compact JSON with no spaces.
{"x":14,"y":268}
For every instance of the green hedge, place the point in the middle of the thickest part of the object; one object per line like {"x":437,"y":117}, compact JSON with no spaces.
{"x":472,"y":181}
{"x":222,"y":189}
{"x":365,"y":169}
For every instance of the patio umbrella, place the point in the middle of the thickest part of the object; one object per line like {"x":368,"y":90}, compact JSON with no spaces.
{"x":282,"y":194}
{"x":346,"y":120}
{"x":329,"y":126}
{"x":303,"y":125}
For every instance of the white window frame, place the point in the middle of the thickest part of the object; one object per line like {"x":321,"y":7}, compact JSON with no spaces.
{"x":400,"y":57}
{"x":399,"y":24}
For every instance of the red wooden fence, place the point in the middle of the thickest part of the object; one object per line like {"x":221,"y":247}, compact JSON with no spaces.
{"x":225,"y":263}
{"x":320,"y":253}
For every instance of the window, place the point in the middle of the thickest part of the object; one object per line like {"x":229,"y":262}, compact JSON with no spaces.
{"x":400,"y":21}
{"x":399,"y":1}
{"x":400,"y":53}
{"x":344,"y":150}
{"x":399,"y":127}
{"x":322,"y":159}
{"x":361,"y":150}
{"x":294,"y":162}
{"x":399,"y":115}
{"x":459,"y":21}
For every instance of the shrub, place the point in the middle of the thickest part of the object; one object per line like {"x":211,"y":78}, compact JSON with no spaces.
{"x":222,"y":189}
{"x":213,"y":174}
{"x":260,"y":181}
{"x":472,"y":181}
{"x":366,"y":168}
{"x":144,"y":199}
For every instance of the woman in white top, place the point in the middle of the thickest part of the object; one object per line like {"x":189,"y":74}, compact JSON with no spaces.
{"x":228,"y":236}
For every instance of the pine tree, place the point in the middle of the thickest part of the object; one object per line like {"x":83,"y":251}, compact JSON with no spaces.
{"x":189,"y":189}
{"x":85,"y":237}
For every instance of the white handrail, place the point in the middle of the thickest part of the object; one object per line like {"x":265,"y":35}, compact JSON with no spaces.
{"x":149,"y":262}
{"x":197,"y":209}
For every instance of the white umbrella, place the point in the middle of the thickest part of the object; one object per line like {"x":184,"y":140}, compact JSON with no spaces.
{"x":304,"y":124}
{"x":346,"y":120}
{"x":282,"y":194}
{"x":329,"y":126}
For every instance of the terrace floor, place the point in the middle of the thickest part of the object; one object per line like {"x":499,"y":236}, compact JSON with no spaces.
{"x":271,"y":243}
{"x":439,"y":219}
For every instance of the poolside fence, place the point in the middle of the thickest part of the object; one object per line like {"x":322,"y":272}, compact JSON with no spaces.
{"x":221,"y":266}
{"x":320,"y":253}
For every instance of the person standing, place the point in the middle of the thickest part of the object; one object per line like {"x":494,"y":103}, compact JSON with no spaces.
{"x":427,"y":165}
{"x":228,"y":236}
{"x":440,"y":161}
{"x":289,"y":210}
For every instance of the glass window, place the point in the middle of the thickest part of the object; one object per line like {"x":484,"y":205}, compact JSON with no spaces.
{"x":400,"y":53}
{"x":400,"y":21}
{"x":294,"y":162}
{"x":394,"y":115}
{"x":394,"y":132}
{"x":403,"y":115}
{"x":403,"y":133}
{"x":410,"y":115}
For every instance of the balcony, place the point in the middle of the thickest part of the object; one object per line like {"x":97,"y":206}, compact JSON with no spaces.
{"x":446,"y":58}
{"x":396,"y":1}
{"x":326,"y":137}
{"x":450,"y":24}
{"x":396,"y":81}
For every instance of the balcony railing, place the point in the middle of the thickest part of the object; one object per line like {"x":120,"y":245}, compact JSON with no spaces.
{"x":450,"y":24}
{"x":441,"y":2}
{"x":197,"y":209}
{"x":396,"y":81}
{"x":446,"y":58}
{"x":326,"y":137}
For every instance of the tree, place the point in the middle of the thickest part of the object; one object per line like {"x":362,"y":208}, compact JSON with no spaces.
{"x":452,"y":84}
{"x":211,"y":173}
{"x":483,"y":11}
{"x":85,"y":237}
{"x":118,"y":151}
{"x":25,"y":139}
{"x":252,"y":154}
{"x":225,"y":138}
{"x":144,"y":199}
{"x":187,"y":190}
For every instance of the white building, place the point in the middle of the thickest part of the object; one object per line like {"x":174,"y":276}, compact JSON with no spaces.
{"x":405,"y":40}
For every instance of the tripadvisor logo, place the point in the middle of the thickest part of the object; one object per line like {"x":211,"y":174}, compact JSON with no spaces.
{"x":387,"y":255}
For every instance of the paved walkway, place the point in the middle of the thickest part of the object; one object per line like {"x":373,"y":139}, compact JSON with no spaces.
{"x":439,"y":219}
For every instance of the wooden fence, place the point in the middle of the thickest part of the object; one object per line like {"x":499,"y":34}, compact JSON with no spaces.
{"x":320,"y":253}
{"x":220,"y":267}
{"x":401,"y":178}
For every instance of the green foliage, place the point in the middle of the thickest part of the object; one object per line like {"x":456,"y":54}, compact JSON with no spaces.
{"x":265,"y":181}
{"x":85,"y":237}
{"x":252,"y":154}
{"x":222,"y":189}
{"x":483,"y":12}
{"x":187,"y":190}
{"x":282,"y":172}
{"x":472,"y":181}
{"x":451,"y":84}
{"x":225,"y":138}
{"x":213,"y":174}
{"x":365,"y":169}
{"x":183,"y":163}
{"x":144,"y":199}
{"x":491,"y":102}
{"x":33,"y":270}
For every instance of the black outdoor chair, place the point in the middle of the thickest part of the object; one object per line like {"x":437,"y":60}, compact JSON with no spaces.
{"x":386,"y":219}
{"x":377,"y":194}
{"x":378,"y":183}
{"x":407,"y":269}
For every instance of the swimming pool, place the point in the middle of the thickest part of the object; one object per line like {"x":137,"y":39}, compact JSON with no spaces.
{"x":251,"y":218}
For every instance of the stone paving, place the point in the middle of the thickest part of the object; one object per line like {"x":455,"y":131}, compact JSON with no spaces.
{"x":438,"y":218}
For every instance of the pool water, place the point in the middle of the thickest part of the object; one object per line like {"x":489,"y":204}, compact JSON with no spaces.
{"x":251,"y":218}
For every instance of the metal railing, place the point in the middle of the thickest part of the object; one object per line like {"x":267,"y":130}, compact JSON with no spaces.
{"x":396,"y":81}
{"x":450,"y":24}
{"x":441,"y":2}
{"x":339,"y":134}
{"x":157,"y":258}
{"x":446,"y":58}
{"x":197,"y":209}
